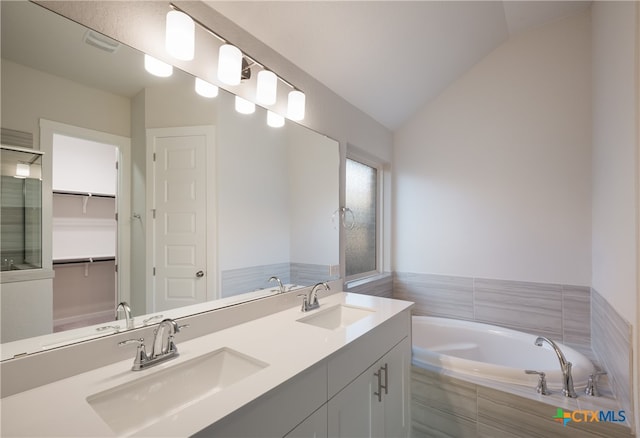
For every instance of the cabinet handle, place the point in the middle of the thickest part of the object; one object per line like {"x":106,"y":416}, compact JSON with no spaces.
{"x":379,"y":392}
{"x":386,"y":378}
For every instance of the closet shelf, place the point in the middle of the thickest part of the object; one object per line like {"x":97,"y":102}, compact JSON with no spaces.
{"x":84,"y":260}
{"x":92,"y":195}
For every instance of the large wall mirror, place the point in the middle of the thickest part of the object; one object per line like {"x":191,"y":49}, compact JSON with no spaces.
{"x":210,"y":203}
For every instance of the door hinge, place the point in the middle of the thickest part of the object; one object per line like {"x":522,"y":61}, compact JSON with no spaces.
{"x":116,"y":216}
{"x":154,"y":156}
{"x":154,"y":212}
{"x":154,"y":271}
{"x":116,"y":268}
{"x":116,"y":165}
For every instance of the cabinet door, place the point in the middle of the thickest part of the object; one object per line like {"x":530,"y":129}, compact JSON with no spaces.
{"x":351,"y":411}
{"x":396,"y":398}
{"x":315,"y":426}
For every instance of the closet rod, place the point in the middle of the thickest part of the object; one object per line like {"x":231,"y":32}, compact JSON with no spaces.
{"x":84,"y":260}
{"x":93,"y":195}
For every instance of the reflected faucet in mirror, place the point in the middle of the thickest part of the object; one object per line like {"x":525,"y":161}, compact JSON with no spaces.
{"x":127,"y":313}
{"x":280,"y":286}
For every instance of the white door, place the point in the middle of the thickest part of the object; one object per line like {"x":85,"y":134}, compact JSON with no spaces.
{"x":180,"y":226}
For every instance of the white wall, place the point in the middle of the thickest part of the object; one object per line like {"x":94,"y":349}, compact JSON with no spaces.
{"x":616,"y":96}
{"x":29,"y":95}
{"x":253,"y":213}
{"x":492,"y":177}
{"x":313,"y":181}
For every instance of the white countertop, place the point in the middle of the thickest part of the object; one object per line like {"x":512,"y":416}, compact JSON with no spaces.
{"x":287,"y":346}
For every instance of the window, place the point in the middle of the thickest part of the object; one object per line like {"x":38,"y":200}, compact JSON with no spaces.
{"x":361,"y":219}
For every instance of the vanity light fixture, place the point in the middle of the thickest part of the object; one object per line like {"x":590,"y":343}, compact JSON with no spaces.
{"x":180,"y":35}
{"x":243,"y":106}
{"x":23,"y":170}
{"x":234,"y":66}
{"x":206,"y":89}
{"x":157,"y":67}
{"x":275,"y":120}
{"x":267,"y":87}
{"x":296,"y":105}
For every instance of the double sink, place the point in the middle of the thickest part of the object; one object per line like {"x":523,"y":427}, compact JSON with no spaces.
{"x":130,"y":407}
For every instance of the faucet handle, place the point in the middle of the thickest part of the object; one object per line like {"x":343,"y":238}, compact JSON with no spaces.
{"x":592,"y":384}
{"x":541,"y":388}
{"x":305,"y":303}
{"x":141,"y":352}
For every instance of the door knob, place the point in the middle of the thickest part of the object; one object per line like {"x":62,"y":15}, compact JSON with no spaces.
{"x":200,"y":274}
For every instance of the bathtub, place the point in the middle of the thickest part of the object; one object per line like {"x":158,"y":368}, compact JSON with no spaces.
{"x":472,"y":351}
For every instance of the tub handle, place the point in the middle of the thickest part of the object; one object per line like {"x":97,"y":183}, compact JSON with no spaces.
{"x":541,"y":388}
{"x":592,"y":384}
{"x":379,"y":376}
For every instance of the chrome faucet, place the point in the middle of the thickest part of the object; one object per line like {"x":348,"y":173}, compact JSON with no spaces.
{"x":565,"y":366}
{"x":127,"y":313}
{"x":280,"y":286}
{"x":163,"y":347}
{"x":310,"y":302}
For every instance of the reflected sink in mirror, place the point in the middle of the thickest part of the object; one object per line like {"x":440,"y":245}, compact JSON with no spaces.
{"x":132,"y":406}
{"x":338,"y":316}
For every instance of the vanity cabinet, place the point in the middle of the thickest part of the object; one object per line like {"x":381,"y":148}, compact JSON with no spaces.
{"x":315,"y":426}
{"x":337,"y":397}
{"x":376,"y":404}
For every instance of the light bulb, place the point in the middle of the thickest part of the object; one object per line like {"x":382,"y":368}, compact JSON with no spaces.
{"x":157,"y":67}
{"x":229,"y":64}
{"x":206,"y":89}
{"x":295,"y":105}
{"x":180,"y":35}
{"x":23,"y":170}
{"x":274,"y":120}
{"x":243,"y":106}
{"x":266,"y":87}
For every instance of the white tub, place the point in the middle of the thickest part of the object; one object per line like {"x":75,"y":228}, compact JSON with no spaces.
{"x":473,"y":350}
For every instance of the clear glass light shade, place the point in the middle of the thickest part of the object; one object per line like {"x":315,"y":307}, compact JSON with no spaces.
{"x":243,"y":106}
{"x":206,"y":89}
{"x":23,"y":170}
{"x":274,"y":120}
{"x":229,"y":64}
{"x":267,"y":87}
{"x":157,"y":67}
{"x":180,"y":35}
{"x":295,"y":105}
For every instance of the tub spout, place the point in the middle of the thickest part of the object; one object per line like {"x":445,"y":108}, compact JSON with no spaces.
{"x":565,"y":366}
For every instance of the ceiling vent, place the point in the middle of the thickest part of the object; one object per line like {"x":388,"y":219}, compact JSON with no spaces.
{"x":100,"y":41}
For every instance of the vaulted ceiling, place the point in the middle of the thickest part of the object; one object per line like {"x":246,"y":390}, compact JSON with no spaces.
{"x":389,"y":58}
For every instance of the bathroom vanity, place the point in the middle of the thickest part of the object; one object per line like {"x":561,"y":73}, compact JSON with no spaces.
{"x":339,"y":370}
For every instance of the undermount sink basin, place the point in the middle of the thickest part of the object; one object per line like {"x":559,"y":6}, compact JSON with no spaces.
{"x":140,"y":403}
{"x":337,"y":316}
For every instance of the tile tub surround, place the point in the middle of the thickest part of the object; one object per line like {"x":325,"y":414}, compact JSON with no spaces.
{"x":575,"y":315}
{"x":611,"y":340}
{"x":443,"y":406}
{"x":561,"y":312}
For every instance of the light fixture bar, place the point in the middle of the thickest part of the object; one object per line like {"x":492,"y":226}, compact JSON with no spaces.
{"x":226,"y":41}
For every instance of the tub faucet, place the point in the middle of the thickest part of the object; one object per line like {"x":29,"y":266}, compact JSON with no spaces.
{"x":280,"y":286}
{"x":565,"y":366}
{"x":127,"y":313}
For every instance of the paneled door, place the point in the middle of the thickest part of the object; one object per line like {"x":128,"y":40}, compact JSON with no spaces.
{"x":180,"y":269}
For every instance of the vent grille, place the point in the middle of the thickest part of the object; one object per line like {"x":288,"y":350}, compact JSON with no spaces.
{"x":100,"y":41}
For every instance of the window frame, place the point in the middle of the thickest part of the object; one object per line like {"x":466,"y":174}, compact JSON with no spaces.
{"x":367,"y":159}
